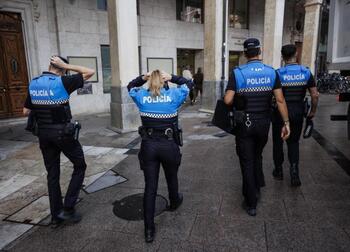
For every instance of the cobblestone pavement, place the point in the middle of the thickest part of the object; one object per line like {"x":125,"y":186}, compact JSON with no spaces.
{"x":314,"y":217}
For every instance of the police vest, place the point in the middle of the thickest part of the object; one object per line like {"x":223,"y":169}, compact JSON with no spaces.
{"x":294,"y":80}
{"x":165,"y":105}
{"x":50,"y":100}
{"x":255,"y":82}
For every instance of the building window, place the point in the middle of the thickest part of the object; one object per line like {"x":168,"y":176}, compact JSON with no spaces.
{"x":190,"y":11}
{"x":106,"y":68}
{"x":238,"y":14}
{"x":102,"y":5}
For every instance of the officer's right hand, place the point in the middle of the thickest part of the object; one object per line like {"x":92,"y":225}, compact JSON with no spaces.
{"x":57,"y":62}
{"x":285,"y":132}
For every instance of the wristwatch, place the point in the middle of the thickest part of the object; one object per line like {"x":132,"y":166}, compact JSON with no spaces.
{"x":286,"y":122}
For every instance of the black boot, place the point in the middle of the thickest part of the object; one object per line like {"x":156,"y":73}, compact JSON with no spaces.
{"x":70,"y":216}
{"x":149,"y":234}
{"x":175,"y":204}
{"x":294,"y":175}
{"x":277,"y":173}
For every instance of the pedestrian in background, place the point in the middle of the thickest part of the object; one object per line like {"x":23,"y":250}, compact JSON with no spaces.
{"x":188,"y":76}
{"x":198,"y":84}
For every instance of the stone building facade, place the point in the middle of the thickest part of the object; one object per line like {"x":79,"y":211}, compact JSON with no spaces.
{"x":165,"y":30}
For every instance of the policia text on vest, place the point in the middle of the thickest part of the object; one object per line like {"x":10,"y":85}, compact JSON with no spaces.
{"x":250,"y":90}
{"x":47,"y":105}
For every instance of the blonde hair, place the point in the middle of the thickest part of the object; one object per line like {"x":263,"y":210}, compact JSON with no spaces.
{"x":156,"y":82}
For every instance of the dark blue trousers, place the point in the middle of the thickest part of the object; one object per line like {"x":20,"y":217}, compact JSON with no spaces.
{"x":250,"y":142}
{"x":51,"y":148}
{"x":153,"y":153}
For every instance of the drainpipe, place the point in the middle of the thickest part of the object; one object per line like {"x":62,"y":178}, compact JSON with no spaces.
{"x":224,"y":44}
{"x":56,"y":26}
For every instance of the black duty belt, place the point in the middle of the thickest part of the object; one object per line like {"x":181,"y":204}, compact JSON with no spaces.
{"x":156,"y":132}
{"x":52,"y":126}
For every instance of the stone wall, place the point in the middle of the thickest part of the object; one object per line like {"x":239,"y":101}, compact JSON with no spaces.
{"x":78,"y":28}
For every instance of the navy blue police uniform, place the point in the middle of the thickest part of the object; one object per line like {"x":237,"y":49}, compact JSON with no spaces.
{"x":253,"y":84}
{"x":159,"y":116}
{"x":48,"y":99}
{"x":295,"y":80}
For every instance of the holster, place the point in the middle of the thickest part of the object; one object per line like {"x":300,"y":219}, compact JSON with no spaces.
{"x":178,"y":136}
{"x":32,"y":123}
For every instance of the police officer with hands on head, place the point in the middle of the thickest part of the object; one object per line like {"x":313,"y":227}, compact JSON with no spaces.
{"x":161,"y":137}
{"x":295,"y":79}
{"x":47,"y":104}
{"x":250,"y":90}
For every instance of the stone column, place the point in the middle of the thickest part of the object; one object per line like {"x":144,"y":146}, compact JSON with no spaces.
{"x":123,"y":39}
{"x":311,"y":27}
{"x":273,"y":32}
{"x":213,"y":38}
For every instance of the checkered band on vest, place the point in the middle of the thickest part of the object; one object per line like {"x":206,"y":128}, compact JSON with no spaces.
{"x":294,"y":84}
{"x":152,"y":115}
{"x":49,"y":102}
{"x":255,"y":89}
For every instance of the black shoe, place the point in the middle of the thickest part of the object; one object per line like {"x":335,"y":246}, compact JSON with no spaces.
{"x":277,"y":173}
{"x":175,"y":204}
{"x":70,"y":216}
{"x":294,"y":175}
{"x":149,"y":235}
{"x":251,"y":211}
{"x":56,"y":222}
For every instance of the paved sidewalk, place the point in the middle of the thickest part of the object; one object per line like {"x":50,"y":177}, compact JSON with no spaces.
{"x":314,"y":217}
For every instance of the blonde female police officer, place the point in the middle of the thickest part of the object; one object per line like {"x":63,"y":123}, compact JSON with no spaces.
{"x":254,"y":85}
{"x":158,"y":107}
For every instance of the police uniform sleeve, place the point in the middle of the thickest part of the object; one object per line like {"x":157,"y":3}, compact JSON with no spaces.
{"x":138,"y":82}
{"x":277,"y":82}
{"x":181,"y":81}
{"x":311,"y":82}
{"x":231,"y":85}
{"x":28,"y":102}
{"x":73,"y":82}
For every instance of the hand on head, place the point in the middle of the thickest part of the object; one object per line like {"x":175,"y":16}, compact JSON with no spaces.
{"x":166,"y":76}
{"x":57,"y":62}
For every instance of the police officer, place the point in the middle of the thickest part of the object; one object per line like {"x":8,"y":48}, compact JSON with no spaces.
{"x":160,"y":134}
{"x":48,"y":103}
{"x":295,"y":79}
{"x":250,"y":90}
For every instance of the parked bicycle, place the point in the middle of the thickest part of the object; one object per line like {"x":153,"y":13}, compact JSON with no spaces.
{"x":333,"y":83}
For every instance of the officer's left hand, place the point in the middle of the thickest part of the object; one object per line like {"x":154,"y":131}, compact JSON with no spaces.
{"x":311,"y":115}
{"x":166,"y":76}
{"x":285,"y":132}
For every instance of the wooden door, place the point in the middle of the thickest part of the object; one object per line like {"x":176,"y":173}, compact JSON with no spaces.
{"x":14,"y":74}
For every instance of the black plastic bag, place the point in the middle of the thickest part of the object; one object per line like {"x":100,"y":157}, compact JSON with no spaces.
{"x":224,"y":117}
